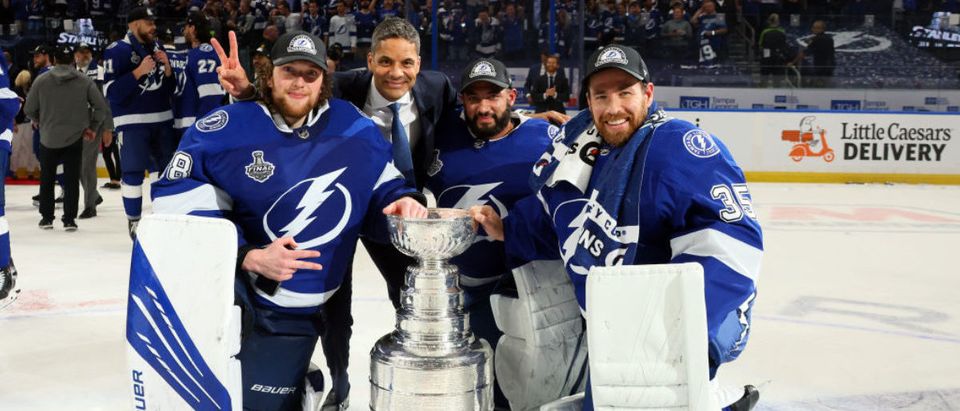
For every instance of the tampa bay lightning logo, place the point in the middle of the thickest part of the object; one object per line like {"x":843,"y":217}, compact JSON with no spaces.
{"x":205,"y":47}
{"x":466,"y":196}
{"x":314,"y":211}
{"x":213,"y":122}
{"x":700,"y":143}
{"x":483,"y":68}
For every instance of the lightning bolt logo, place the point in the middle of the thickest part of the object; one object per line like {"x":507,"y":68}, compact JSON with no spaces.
{"x":319,"y":189}
{"x":316,"y":194}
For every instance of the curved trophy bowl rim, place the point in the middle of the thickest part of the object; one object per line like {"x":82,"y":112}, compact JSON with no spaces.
{"x":453,"y":215}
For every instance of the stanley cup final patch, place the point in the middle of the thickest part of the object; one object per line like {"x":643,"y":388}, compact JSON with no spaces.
{"x":483,"y":68}
{"x":302,"y":44}
{"x":612,"y":55}
{"x":260,"y":170}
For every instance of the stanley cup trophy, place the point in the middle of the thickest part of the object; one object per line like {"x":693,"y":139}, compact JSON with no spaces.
{"x":431,"y":361}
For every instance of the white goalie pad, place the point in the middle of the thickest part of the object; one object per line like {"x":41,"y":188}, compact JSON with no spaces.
{"x":542,"y":355}
{"x":648,"y":338}
{"x":183,"y":330}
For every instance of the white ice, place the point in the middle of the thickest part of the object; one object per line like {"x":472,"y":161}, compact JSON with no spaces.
{"x":858,"y":306}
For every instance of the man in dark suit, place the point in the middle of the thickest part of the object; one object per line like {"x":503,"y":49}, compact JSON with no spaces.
{"x":551,"y":89}
{"x":406,"y":104}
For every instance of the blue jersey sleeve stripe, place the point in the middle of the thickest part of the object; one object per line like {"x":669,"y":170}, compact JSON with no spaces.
{"x":204,"y":197}
{"x":739,"y":256}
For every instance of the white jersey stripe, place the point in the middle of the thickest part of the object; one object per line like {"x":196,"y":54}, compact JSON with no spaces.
{"x":146,"y":118}
{"x":292,"y":299}
{"x":739,"y":256}
{"x":203,"y":198}
{"x":210,"y":90}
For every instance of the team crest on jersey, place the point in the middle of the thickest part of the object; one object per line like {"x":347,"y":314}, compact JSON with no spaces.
{"x":314,"y":211}
{"x":302,"y":44}
{"x":260,"y":170}
{"x":134,"y":58}
{"x":612,"y":55}
{"x":553,"y":132}
{"x":436,"y":165}
{"x":700,"y":143}
{"x":213,"y":122}
{"x":483,"y":68}
{"x":206,"y":47}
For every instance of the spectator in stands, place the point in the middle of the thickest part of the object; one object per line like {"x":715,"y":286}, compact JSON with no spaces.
{"x":592,"y":28}
{"x":70,"y":109}
{"x":824,"y":57}
{"x":551,"y":90}
{"x":343,"y":31}
{"x":279,"y":15}
{"x":270,"y":35}
{"x":487,"y":34}
{"x":456,"y":27}
{"x":334,"y":55}
{"x":513,"y":42}
{"x":713,"y":32}
{"x":366,"y":20}
{"x":315,"y":21}
{"x":634,"y":26}
{"x":676,"y":35}
{"x":774,"y":52}
{"x":261,"y":59}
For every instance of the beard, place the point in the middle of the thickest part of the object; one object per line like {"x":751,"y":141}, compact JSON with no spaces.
{"x":84,"y":63}
{"x":297,"y":109}
{"x":618,"y":137}
{"x":500,"y":122}
{"x":146,"y":36}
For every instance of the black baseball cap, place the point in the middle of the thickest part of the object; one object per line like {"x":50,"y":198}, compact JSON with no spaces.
{"x":196,"y":18}
{"x":63,"y":53}
{"x":619,"y":57}
{"x":141,"y":13}
{"x":485,"y":69}
{"x":42,"y":49}
{"x":261,"y":50}
{"x":297,"y":46}
{"x":83,"y":46}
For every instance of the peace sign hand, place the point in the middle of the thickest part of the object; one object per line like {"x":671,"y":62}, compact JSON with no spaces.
{"x":232,"y":77}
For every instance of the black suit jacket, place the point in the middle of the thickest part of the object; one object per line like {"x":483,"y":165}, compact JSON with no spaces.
{"x":433,"y":94}
{"x":550,"y":103}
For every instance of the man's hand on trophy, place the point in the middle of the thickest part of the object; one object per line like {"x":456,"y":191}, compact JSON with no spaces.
{"x":489,"y":219}
{"x":406,"y":207}
{"x":279,"y":260}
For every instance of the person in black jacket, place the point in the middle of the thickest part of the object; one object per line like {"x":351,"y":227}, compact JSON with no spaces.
{"x":551,"y":89}
{"x":824,"y":57}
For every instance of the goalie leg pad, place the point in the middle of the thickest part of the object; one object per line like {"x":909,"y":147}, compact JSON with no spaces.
{"x":648,"y":337}
{"x":542,"y":354}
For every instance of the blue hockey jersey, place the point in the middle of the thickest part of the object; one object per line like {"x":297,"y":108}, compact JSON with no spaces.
{"x":202,"y":92}
{"x":321,"y":184}
{"x":9,"y":106}
{"x":671,"y":194}
{"x":178,"y":62}
{"x":135,"y":103}
{"x":468,"y":172}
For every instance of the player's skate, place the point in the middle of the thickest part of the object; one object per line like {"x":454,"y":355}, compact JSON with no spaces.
{"x":8,"y":285}
{"x":751,"y":396}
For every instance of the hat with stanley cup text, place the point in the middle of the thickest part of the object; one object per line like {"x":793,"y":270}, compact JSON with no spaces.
{"x":484,"y":69}
{"x":299,"y":46}
{"x":619,"y":57}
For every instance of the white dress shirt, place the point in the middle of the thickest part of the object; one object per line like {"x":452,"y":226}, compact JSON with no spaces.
{"x":378,"y":108}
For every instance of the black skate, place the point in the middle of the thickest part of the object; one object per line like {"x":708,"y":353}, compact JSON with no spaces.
{"x":8,"y":286}
{"x":749,"y":399}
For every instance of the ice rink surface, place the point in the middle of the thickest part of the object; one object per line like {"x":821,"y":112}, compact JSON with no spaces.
{"x":858,"y":306}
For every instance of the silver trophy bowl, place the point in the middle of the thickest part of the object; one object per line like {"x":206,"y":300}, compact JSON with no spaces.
{"x":431,"y":361}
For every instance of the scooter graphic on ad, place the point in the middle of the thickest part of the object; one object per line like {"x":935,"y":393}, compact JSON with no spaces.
{"x":811,"y":141}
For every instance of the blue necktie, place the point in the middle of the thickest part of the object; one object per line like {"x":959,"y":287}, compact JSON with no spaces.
{"x":401,"y":146}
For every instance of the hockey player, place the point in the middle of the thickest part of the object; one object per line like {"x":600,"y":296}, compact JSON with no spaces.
{"x":624,"y":184}
{"x":484,"y":159}
{"x":9,"y":106}
{"x":139,"y":84}
{"x":313,"y":174}
{"x":203,"y":93}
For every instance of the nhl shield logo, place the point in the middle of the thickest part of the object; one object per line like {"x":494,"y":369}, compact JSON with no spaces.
{"x":302,"y":44}
{"x":612,"y":55}
{"x":260,"y":170}
{"x":483,"y":68}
